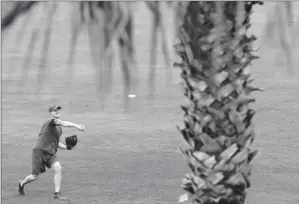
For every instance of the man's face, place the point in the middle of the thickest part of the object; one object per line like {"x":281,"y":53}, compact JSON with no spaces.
{"x":55,"y":113}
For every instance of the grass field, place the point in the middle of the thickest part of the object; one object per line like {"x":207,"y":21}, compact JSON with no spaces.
{"x":132,"y":157}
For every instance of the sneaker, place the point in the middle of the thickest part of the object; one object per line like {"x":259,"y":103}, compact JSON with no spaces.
{"x":21,"y":188}
{"x":59,"y":197}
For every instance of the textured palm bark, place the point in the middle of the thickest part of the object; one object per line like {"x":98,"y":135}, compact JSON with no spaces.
{"x":216,"y":52}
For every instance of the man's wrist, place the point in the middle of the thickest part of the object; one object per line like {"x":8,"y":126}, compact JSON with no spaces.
{"x":62,"y":146}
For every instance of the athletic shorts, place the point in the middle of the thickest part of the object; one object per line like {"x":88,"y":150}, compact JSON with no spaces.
{"x":40,"y":160}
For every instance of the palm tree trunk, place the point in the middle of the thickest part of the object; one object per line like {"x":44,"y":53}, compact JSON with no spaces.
{"x":216,"y":51}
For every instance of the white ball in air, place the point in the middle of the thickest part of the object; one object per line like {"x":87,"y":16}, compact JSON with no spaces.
{"x":132,"y":96}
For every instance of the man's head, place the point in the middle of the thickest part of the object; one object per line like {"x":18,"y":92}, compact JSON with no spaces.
{"x":54,"y":111}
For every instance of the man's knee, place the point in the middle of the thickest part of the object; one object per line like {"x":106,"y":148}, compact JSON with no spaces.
{"x":56,"y":166}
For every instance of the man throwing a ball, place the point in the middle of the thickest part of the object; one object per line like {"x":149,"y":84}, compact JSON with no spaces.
{"x":44,"y":151}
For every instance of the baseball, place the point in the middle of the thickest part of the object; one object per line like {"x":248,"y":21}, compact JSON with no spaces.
{"x":132,"y":96}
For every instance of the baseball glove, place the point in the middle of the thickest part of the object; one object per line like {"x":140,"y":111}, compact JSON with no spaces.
{"x":71,"y":142}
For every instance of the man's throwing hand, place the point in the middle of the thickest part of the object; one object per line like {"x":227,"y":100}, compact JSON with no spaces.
{"x":81,"y":127}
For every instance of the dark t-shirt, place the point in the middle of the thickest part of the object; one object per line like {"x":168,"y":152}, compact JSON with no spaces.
{"x":48,"y":138}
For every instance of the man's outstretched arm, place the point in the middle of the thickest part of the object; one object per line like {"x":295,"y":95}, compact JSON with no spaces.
{"x":68,"y":124}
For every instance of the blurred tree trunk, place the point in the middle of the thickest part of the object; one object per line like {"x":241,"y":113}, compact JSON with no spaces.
{"x":280,"y":29}
{"x":159,"y":29}
{"x":216,"y":52}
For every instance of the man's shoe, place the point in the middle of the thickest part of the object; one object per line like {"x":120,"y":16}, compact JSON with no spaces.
{"x":21,"y":188}
{"x":59,"y":197}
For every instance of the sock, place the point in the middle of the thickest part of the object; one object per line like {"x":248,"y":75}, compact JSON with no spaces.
{"x":28,"y":179}
{"x":57,"y":181}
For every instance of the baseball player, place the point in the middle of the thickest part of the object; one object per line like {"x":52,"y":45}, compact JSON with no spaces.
{"x":44,"y":151}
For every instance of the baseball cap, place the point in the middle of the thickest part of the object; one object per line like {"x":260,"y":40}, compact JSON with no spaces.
{"x":54,"y":108}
